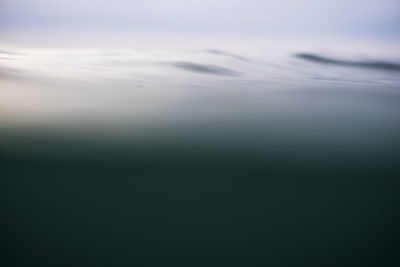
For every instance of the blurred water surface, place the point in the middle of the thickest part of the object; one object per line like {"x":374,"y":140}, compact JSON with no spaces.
{"x":202,"y":156}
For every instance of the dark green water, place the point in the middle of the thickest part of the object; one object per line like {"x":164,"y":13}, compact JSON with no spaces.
{"x":243,"y":173}
{"x":193,"y":201}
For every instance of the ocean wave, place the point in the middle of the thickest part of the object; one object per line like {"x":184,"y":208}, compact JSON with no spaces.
{"x":369,"y":64}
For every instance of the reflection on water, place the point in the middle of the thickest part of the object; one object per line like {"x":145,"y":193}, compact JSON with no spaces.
{"x":210,"y":69}
{"x":379,"y":65}
{"x":200,"y":157}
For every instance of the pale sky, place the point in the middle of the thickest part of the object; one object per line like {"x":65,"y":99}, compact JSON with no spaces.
{"x":337,"y":18}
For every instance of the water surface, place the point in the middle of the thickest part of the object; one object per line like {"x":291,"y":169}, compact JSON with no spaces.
{"x":201,"y":156}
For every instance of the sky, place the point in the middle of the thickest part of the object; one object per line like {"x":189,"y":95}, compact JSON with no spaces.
{"x":376,"y":19}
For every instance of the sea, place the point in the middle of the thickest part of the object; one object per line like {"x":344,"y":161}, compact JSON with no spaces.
{"x":229,"y":154}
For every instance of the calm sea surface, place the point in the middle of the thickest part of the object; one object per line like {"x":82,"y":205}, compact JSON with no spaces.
{"x":199,"y":157}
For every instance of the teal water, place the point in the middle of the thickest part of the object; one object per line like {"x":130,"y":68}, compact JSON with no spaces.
{"x":203,"y":158}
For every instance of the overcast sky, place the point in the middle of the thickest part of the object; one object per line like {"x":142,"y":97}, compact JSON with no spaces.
{"x":337,"y":18}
